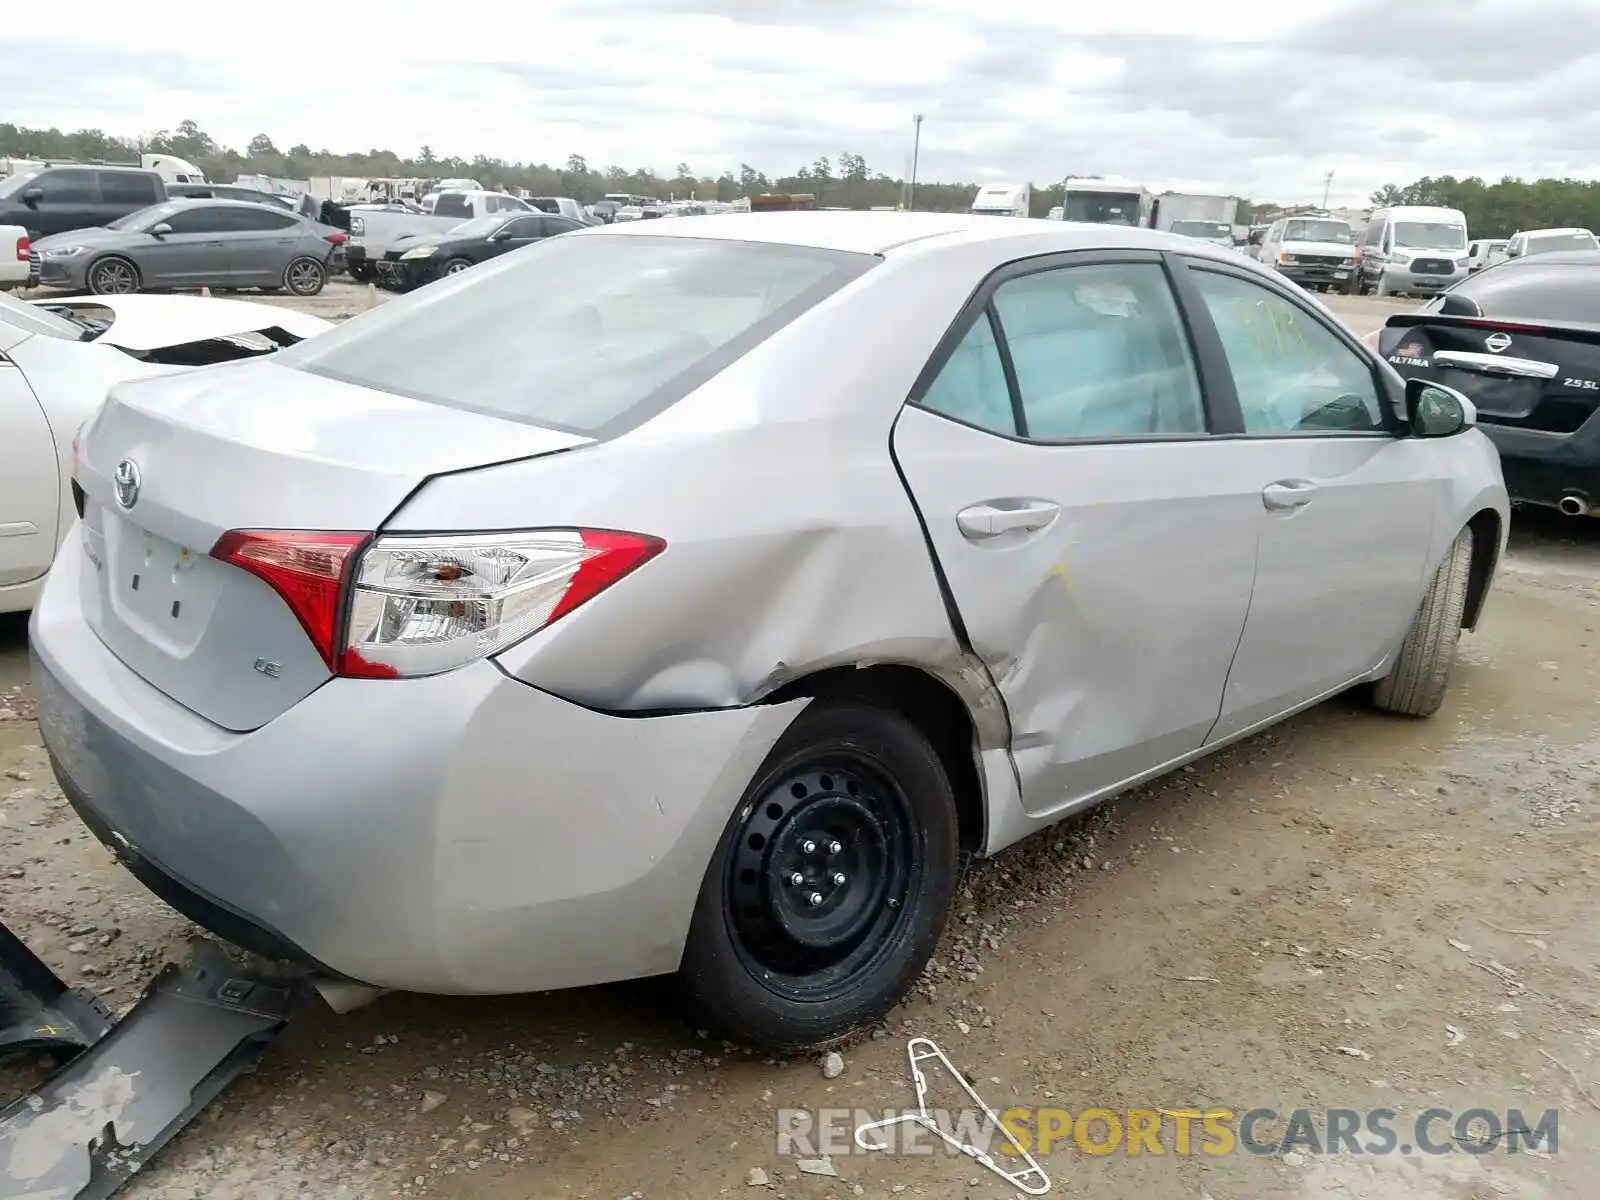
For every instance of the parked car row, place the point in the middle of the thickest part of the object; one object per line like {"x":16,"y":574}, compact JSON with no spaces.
{"x":115,"y":230}
{"x":613,"y":725}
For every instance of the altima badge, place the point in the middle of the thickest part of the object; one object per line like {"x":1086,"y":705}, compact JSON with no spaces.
{"x":125,"y":479}
{"x":1497,"y":342}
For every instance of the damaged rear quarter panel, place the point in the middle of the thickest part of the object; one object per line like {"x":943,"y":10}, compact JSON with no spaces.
{"x":792,"y":544}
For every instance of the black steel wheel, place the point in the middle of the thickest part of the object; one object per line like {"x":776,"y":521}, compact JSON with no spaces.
{"x":831,"y":884}
{"x":113,"y":276}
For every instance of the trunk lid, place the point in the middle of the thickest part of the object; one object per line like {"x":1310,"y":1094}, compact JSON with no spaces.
{"x":250,"y":445}
{"x":1542,"y":377}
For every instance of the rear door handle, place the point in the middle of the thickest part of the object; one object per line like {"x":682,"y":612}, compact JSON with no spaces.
{"x":1288,"y":493}
{"x":993,"y":518}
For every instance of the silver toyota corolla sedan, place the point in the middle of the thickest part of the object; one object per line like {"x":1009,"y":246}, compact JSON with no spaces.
{"x":693,"y":596}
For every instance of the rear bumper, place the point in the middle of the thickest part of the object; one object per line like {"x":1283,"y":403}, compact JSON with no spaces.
{"x":463,"y":833}
{"x":1540,"y":468}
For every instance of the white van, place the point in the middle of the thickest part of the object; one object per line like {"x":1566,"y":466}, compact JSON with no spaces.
{"x":1315,"y":250}
{"x":1003,"y":200}
{"x":1411,"y":248}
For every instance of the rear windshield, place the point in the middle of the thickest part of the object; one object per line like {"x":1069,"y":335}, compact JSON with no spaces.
{"x":452,"y":204}
{"x":1545,"y":243}
{"x":589,"y":333}
{"x":1203,"y":229}
{"x":1523,"y":290}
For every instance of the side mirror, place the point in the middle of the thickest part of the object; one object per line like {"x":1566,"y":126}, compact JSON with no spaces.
{"x":1437,"y":411}
{"x":502,"y":234}
{"x":159,"y":230}
{"x":32,"y":196}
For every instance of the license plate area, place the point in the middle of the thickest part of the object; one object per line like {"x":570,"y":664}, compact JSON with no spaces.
{"x":162,"y":589}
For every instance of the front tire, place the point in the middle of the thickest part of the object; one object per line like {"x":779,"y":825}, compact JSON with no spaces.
{"x":113,"y":276}
{"x":1415,"y":687}
{"x":457,"y":265}
{"x":305,"y":276}
{"x":830,"y":887}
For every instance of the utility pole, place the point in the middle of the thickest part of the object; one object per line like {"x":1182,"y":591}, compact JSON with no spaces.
{"x":1327,"y":186}
{"x":916,"y":150}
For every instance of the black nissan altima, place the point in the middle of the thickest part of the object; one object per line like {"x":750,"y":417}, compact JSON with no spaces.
{"x":1522,"y":341}
{"x":418,"y":260}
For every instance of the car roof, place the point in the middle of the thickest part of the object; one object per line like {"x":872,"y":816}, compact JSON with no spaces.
{"x":215,"y":202}
{"x":1554,"y":231}
{"x":1556,"y":258}
{"x":881,"y":233}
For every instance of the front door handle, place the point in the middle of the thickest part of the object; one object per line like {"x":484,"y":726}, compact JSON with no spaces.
{"x":1288,"y":493}
{"x":996,"y":517}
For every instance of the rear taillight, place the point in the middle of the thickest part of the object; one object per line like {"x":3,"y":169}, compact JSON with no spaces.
{"x":22,"y":249}
{"x":337,"y":239}
{"x":425,"y":605}
{"x":306,"y":569}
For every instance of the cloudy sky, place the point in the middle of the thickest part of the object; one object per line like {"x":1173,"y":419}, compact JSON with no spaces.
{"x":1250,"y":96}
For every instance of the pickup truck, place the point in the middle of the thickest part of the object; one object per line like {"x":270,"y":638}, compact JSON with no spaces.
{"x":19,"y":266}
{"x":373,"y":231}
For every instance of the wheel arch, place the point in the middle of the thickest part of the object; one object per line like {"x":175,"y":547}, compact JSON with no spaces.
{"x":1486,"y":529}
{"x":933,"y":707}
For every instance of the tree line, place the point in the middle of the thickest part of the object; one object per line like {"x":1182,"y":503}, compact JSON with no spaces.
{"x":1492,"y":210}
{"x":1500,"y":209}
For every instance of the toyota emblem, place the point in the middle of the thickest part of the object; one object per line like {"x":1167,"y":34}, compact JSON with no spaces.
{"x":1497,"y":342}
{"x":125,"y":479}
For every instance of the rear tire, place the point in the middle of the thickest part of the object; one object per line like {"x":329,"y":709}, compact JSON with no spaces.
{"x":788,"y":967}
{"x":1415,"y":686}
{"x":113,"y":275}
{"x":305,"y":276}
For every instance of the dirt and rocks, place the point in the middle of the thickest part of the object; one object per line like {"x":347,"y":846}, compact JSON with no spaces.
{"x":1350,"y":911}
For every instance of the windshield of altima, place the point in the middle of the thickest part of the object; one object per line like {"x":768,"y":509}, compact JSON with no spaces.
{"x":579,"y":333}
{"x":1203,"y":229}
{"x":1430,"y":235}
{"x":1102,"y":208}
{"x":1319,"y":231}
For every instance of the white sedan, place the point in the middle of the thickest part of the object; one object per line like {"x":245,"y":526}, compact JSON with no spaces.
{"x":58,"y":358}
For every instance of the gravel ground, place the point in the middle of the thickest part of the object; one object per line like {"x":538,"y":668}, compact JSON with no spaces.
{"x":1349,"y":910}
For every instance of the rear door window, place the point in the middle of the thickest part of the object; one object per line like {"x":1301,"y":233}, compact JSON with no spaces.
{"x":128,"y":187}
{"x":589,"y":334}
{"x":1100,"y":352}
{"x":258,"y":219}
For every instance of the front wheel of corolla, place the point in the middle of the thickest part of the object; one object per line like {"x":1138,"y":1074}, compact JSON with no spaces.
{"x":830,"y":887}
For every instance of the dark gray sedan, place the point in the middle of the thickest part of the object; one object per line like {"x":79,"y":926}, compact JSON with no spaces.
{"x":192,"y":244}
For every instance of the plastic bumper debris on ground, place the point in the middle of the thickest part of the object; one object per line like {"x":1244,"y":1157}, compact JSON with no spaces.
{"x":133,"y":1084}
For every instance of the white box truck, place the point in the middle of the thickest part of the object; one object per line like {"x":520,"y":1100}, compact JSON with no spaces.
{"x":1003,"y":199}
